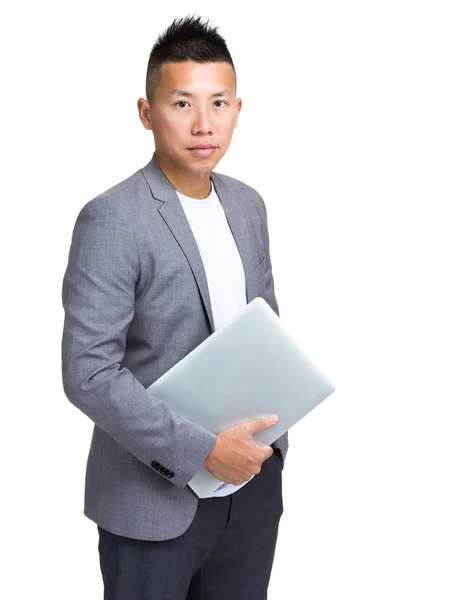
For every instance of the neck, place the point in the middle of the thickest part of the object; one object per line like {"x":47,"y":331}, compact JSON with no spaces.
{"x":194,"y":185}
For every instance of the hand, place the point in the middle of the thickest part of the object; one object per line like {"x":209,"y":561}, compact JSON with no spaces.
{"x":235,"y":457}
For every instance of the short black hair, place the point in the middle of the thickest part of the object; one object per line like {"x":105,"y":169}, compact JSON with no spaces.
{"x":185,"y":39}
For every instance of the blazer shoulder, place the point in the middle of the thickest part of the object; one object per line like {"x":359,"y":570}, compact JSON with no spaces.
{"x":242,"y":190}
{"x":118,"y":199}
{"x":234,"y":184}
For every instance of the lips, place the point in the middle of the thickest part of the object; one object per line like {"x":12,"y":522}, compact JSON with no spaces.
{"x":203,"y":151}
{"x":201,"y":146}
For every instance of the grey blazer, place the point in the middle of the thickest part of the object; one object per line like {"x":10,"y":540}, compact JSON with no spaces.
{"x":136,"y":301}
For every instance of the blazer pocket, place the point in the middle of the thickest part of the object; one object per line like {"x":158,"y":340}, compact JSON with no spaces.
{"x":260,"y":276}
{"x":261,"y":264}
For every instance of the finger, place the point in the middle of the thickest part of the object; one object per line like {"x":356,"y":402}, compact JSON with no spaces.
{"x":260,"y":424}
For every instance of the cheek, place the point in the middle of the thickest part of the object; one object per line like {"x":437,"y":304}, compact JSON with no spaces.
{"x":230,"y":122}
{"x":228,"y":128}
{"x":170,"y":131}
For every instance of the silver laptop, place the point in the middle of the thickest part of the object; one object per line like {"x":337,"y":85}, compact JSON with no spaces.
{"x":248,"y":368}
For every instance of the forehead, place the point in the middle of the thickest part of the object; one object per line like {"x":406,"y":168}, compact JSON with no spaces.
{"x":196,"y":77}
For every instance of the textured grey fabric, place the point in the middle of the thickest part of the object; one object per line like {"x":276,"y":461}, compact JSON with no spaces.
{"x":136,"y":301}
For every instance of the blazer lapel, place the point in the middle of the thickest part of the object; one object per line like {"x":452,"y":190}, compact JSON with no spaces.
{"x":240,"y":229}
{"x":173,"y":214}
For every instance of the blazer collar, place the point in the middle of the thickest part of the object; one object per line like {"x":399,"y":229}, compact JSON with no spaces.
{"x":172,"y":212}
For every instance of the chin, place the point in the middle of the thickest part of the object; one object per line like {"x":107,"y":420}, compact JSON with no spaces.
{"x":200,"y":170}
{"x":204,"y":167}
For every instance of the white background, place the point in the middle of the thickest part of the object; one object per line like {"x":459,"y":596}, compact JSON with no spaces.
{"x":353,"y":130}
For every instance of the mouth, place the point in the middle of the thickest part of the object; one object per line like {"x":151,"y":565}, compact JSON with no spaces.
{"x":203,"y":150}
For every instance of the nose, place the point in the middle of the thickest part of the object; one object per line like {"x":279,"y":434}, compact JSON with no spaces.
{"x":201,"y":124}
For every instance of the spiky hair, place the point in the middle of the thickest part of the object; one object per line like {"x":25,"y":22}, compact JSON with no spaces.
{"x":185,"y":39}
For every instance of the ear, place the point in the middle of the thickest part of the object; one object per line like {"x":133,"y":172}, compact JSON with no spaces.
{"x":144,"y":113}
{"x":239,"y":105}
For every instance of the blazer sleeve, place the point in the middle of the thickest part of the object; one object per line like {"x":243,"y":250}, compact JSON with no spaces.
{"x":98,"y":296}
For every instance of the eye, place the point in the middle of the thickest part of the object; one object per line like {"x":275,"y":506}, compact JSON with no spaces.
{"x":181,"y":101}
{"x":220,"y":101}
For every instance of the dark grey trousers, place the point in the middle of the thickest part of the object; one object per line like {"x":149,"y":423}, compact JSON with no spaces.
{"x":225,"y":554}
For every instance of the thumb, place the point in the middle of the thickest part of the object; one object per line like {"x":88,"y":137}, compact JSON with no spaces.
{"x":260,"y":424}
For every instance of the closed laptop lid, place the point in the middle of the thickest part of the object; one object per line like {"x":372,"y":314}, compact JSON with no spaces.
{"x":248,"y":368}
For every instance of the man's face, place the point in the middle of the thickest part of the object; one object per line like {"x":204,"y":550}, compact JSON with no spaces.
{"x":194,"y":104}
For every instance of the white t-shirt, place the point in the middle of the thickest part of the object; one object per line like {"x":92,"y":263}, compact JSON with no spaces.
{"x":223,"y":267}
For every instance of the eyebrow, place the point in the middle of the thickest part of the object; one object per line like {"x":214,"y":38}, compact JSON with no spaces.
{"x":178,"y":92}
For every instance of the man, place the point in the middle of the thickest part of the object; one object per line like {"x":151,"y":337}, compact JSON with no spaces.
{"x":156,"y":264}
